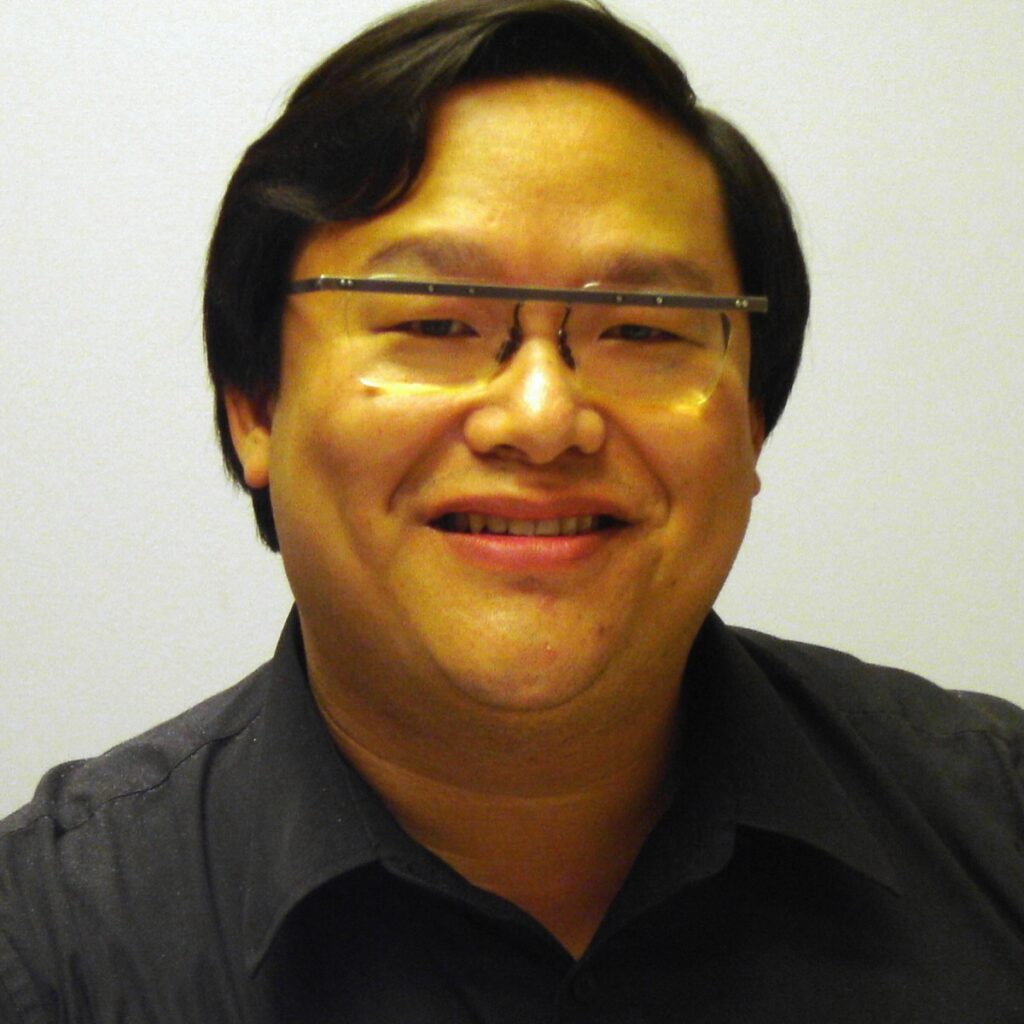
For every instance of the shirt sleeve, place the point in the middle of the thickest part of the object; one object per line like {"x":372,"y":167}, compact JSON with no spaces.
{"x":18,"y":1002}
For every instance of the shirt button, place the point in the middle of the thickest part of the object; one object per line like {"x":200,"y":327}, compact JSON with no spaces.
{"x":584,"y":987}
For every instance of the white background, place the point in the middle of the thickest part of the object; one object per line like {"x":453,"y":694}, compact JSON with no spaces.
{"x":890,"y":522}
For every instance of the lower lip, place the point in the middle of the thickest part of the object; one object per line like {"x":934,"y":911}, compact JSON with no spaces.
{"x":526,"y":554}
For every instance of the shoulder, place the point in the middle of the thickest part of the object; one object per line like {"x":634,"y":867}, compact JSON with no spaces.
{"x":71,"y":795}
{"x":855,"y":689}
{"x":114,"y":846}
{"x":951,"y":758}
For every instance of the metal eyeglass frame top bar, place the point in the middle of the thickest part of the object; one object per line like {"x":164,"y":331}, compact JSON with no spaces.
{"x":570,"y":296}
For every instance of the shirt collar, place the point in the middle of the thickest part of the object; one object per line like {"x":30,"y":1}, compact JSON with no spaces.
{"x":746,"y":729}
{"x":313,"y":817}
{"x":745,"y":761}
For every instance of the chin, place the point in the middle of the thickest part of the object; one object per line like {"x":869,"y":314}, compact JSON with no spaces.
{"x":525,"y":690}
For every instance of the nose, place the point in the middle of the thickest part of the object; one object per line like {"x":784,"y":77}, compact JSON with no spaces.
{"x":533,"y":410}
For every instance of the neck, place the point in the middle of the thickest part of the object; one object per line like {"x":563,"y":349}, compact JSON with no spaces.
{"x":547,"y":810}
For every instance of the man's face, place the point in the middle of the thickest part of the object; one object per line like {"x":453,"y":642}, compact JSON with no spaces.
{"x":543,"y":182}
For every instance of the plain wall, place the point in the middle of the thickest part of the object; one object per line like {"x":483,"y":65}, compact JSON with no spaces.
{"x":890,"y":519}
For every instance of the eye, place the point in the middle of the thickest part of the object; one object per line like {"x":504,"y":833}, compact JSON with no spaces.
{"x":640,"y":332}
{"x":435,"y":328}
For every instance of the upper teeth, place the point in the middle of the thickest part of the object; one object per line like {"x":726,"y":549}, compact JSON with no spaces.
{"x":564,"y":526}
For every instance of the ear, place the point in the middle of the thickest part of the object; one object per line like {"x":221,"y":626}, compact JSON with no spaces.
{"x":250,"y":418}
{"x":757,"y":433}
{"x":757,"y":438}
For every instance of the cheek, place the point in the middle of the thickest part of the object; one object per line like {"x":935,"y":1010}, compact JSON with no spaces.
{"x":726,"y":468}
{"x":709,"y":450}
{"x":340,"y":459}
{"x":708,"y":471}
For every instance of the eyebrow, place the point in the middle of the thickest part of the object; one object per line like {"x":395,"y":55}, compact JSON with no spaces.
{"x":643,"y":270}
{"x":449,"y":256}
{"x":444,"y":255}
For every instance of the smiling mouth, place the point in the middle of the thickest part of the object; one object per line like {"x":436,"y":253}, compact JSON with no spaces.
{"x":561,"y":526}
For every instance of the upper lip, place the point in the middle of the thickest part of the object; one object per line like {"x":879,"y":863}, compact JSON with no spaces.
{"x":517,"y":507}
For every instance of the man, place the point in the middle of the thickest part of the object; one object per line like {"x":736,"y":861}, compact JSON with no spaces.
{"x":498,"y":319}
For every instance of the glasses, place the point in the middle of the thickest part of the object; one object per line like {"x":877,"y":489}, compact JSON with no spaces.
{"x":420,"y":337}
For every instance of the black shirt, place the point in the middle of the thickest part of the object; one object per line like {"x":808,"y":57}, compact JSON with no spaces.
{"x":847,"y":844}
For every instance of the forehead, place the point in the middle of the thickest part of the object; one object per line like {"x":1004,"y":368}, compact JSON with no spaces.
{"x":538,"y":177}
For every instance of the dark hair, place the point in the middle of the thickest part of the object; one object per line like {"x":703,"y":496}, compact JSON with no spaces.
{"x":352,"y":138}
